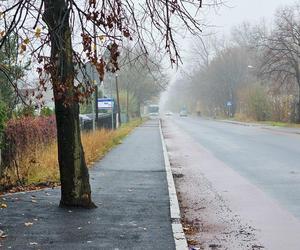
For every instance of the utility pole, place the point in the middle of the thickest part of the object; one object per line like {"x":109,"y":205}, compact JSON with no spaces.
{"x":127,"y":104}
{"x":118,"y":100}
{"x":112,"y":105}
{"x":93,"y":106}
{"x":95,"y":122}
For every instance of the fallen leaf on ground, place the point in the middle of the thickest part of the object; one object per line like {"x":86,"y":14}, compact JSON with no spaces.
{"x":2,"y":234}
{"x":3,"y":205}
{"x":192,"y":242}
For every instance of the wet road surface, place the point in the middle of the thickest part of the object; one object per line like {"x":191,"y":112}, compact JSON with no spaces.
{"x":238,"y":185}
{"x":269,"y":158}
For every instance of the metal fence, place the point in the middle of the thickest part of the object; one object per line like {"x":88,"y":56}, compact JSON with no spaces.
{"x":104,"y":121}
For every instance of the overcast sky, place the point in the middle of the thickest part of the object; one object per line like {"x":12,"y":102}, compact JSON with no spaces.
{"x":244,"y":10}
{"x":233,"y":13}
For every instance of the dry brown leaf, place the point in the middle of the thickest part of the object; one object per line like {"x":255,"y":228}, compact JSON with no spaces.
{"x":37,"y":32}
{"x":26,"y":40}
{"x":3,"y":205}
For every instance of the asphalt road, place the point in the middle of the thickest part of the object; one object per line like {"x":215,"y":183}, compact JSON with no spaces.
{"x":268,"y":158}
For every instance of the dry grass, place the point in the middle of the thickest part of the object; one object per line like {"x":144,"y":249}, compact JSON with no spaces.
{"x":40,"y":164}
{"x":243,"y":118}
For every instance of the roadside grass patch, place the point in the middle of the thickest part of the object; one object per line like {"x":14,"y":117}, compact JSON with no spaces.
{"x":282,"y":124}
{"x":243,"y":118}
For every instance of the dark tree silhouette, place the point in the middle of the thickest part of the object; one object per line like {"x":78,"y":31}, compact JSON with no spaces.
{"x":281,"y":49}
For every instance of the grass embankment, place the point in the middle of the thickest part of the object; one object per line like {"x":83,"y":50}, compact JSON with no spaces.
{"x":269,"y":123}
{"x":42,"y":165}
{"x":281,"y":124}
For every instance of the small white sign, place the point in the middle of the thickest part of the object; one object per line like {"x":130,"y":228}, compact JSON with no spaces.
{"x":105,"y":103}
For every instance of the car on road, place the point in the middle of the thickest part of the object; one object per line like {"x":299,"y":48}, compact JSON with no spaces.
{"x":153,"y":111}
{"x":183,"y":113}
{"x":169,"y":113}
{"x":85,"y":121}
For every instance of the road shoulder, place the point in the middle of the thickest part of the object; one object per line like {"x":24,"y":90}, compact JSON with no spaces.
{"x":178,"y":234}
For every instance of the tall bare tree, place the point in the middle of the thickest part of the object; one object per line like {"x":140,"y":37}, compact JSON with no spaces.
{"x":281,"y":49}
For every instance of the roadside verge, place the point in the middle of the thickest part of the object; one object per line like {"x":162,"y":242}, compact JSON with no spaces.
{"x":178,"y":234}
{"x":288,"y":130}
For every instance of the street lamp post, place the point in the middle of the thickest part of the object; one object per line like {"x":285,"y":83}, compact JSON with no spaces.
{"x":127,"y":103}
{"x":95,"y":119}
{"x":94,"y":108}
{"x":118,"y":100}
{"x":112,"y":105}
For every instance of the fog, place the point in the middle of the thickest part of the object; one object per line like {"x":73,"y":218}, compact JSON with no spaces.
{"x":237,"y":11}
{"x":219,"y":23}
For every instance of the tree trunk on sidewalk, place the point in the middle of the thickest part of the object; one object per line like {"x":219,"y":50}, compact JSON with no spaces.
{"x":74,"y":177}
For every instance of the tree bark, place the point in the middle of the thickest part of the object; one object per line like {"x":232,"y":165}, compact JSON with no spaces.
{"x":74,"y":177}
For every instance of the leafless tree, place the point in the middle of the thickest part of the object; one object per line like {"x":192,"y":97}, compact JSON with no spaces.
{"x":281,"y":49}
{"x":142,"y":75}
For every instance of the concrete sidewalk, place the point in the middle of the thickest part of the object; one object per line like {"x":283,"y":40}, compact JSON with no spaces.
{"x":130,"y":189}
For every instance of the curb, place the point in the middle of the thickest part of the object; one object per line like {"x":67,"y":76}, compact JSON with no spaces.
{"x":178,"y":234}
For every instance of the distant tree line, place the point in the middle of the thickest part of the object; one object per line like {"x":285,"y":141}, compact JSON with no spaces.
{"x":253,"y":74}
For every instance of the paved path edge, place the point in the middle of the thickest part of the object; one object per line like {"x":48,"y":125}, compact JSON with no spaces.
{"x":178,"y":234}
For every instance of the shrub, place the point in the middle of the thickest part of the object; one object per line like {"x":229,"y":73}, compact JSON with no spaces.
{"x":46,"y":111}
{"x":25,"y":111}
{"x":40,"y":164}
{"x":26,"y":133}
{"x":3,"y":117}
{"x":254,"y":103}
